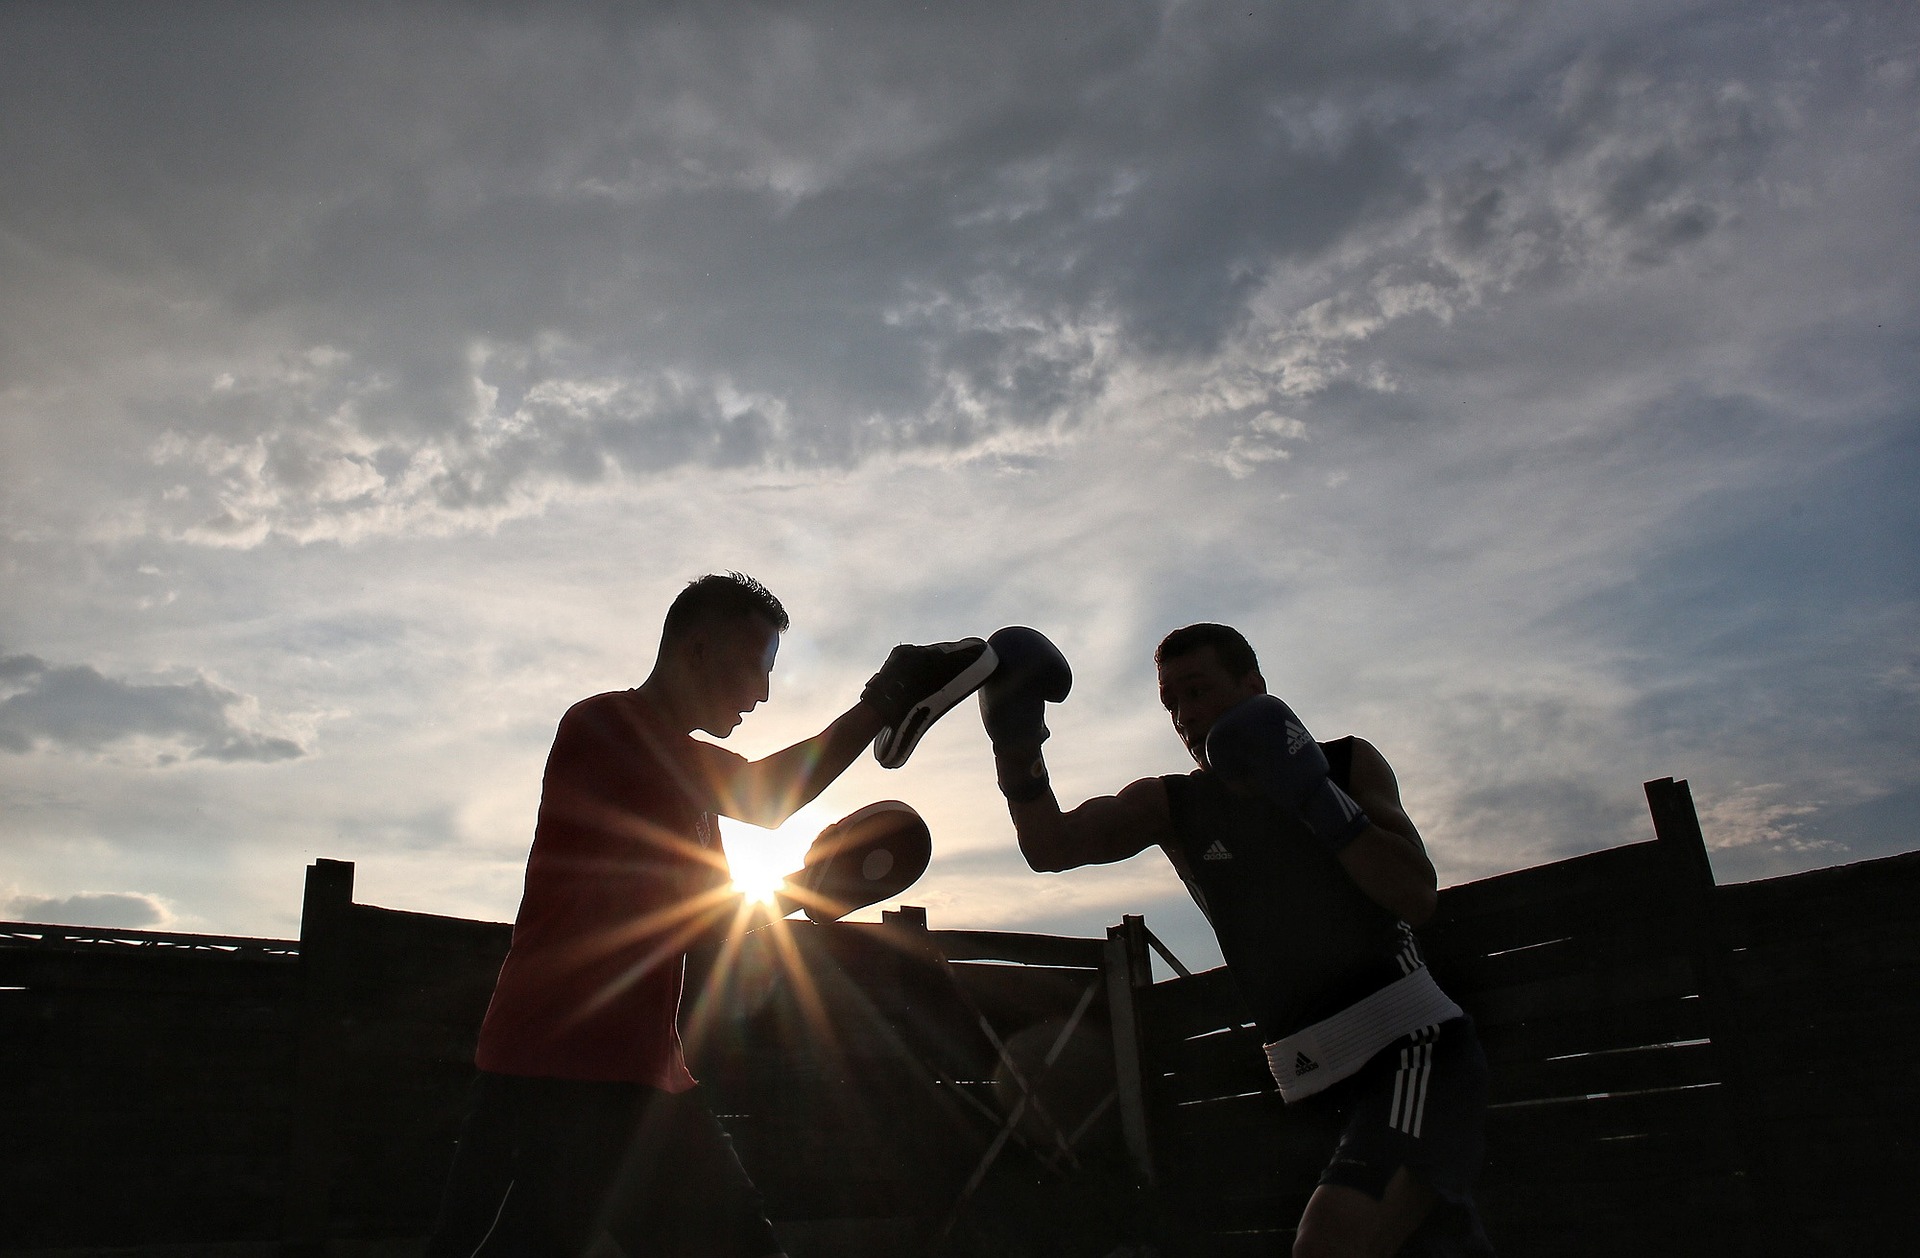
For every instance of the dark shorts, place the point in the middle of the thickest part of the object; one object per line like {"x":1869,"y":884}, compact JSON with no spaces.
{"x":1420,"y":1103}
{"x":545,"y":1165}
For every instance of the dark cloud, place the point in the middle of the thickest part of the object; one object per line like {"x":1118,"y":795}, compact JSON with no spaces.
{"x":878,"y":233}
{"x":77,"y":708}
{"x":536,"y":249}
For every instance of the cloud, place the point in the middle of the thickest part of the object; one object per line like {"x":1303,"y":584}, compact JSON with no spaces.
{"x":461,"y":305}
{"x":77,"y":708}
{"x":529,"y":258}
{"x":1472,"y":359}
{"x":130,"y":909}
{"x":1755,"y":815}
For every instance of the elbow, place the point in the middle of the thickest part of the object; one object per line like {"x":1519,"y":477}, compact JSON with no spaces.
{"x":767,"y":818}
{"x":1045,"y":854}
{"x":1042,"y":862}
{"x":1419,"y":906}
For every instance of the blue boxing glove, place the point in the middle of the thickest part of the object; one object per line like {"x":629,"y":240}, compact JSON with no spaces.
{"x":1013,"y":706}
{"x":1260,"y":743}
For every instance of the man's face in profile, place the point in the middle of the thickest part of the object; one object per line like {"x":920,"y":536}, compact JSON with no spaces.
{"x":737,"y":672}
{"x":1196,"y":690}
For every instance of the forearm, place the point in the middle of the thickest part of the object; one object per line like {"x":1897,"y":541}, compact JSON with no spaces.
{"x":1038,"y":823}
{"x":772,"y":789}
{"x":1101,"y":830}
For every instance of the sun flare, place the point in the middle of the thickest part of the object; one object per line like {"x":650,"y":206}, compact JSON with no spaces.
{"x":761,"y":859}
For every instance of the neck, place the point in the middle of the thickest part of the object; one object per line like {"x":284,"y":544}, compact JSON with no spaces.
{"x":663,"y":696}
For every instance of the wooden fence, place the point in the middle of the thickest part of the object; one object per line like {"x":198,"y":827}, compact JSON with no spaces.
{"x":866,"y":1073}
{"x":144,"y":1086}
{"x":1677,"y":1068}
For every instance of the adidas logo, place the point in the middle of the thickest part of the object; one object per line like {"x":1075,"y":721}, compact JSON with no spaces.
{"x":1303,"y":1063}
{"x":1218,"y":852}
{"x":1297,"y":737}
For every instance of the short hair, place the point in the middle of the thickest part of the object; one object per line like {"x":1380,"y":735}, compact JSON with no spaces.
{"x":721,"y":596}
{"x":1234,"y":651}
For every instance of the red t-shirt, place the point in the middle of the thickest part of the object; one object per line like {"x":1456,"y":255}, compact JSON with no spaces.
{"x":625,"y":851}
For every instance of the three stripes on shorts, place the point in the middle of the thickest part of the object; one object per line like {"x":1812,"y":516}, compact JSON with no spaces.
{"x":1409,"y":1108}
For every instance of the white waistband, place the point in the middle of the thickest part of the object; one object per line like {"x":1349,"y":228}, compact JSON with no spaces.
{"x":1318,"y":1056}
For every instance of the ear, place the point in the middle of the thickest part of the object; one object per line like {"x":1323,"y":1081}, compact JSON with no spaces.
{"x":697,"y":650}
{"x":1256,"y":681}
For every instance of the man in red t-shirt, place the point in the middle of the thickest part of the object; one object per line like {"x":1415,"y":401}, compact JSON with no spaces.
{"x":585,"y":1123}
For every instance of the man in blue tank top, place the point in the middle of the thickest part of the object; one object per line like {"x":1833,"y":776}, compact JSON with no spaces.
{"x":1312,"y":876}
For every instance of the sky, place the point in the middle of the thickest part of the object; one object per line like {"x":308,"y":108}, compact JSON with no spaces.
{"x":1534,"y":384}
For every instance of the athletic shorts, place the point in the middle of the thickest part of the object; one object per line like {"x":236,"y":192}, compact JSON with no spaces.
{"x":1420,"y":1103}
{"x":547,"y":1167}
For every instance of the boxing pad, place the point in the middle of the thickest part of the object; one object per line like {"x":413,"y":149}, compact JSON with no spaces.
{"x":917,"y":686}
{"x":1013,"y":705}
{"x":868,"y":856}
{"x":1259,"y":743}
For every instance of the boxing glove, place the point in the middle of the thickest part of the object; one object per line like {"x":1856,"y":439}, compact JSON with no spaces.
{"x":1031,"y":673}
{"x":1260,"y":743}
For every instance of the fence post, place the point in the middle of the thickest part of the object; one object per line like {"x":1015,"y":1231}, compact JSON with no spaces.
{"x":324,"y":960}
{"x":1676,"y":825}
{"x":1129,"y":968}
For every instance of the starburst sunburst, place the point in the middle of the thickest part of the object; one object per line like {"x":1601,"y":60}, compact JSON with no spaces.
{"x":760,"y":859}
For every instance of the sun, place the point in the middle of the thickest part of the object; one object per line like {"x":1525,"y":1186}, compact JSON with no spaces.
{"x":761,"y":859}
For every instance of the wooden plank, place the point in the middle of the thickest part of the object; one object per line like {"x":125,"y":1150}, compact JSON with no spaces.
{"x":1015,"y":996}
{"x":1759,"y":922}
{"x":1887,"y":882}
{"x":1576,"y":878}
{"x":1595,"y":1028}
{"x":145,"y":973}
{"x":857,"y":1106}
{"x":155,"y":1201}
{"x":45,"y":936}
{"x":1222,"y":1064}
{"x":1271,"y":1209}
{"x":1624,"y":1070}
{"x":1616,"y":1138}
{"x":1250,"y":1165}
{"x":1673,"y":1215}
{"x":1879,"y":955}
{"x":82,"y":1133}
{"x":1204,"y":1051}
{"x":1880,"y":1062}
{"x":1847,"y":1014}
{"x":1564,"y":995}
{"x":1180,"y":1008}
{"x":1250,"y":1244}
{"x":1637,"y":919}
{"x":1253,"y":1111}
{"x":67,"y":1089}
{"x":1572,"y":954}
{"x":1025,"y":949}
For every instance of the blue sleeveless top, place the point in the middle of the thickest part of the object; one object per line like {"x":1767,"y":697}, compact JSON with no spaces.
{"x":1301,"y":940}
